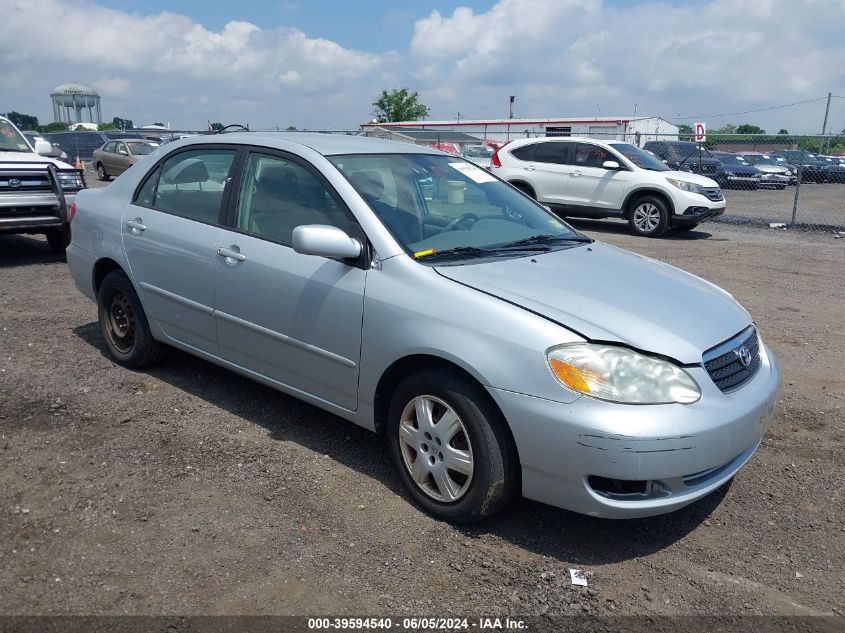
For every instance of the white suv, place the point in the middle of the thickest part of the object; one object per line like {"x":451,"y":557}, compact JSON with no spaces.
{"x":588,"y":178}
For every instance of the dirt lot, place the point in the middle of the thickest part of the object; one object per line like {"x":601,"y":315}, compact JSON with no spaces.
{"x":188,"y":489}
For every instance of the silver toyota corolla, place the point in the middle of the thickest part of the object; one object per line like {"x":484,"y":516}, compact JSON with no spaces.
{"x":417,"y":295}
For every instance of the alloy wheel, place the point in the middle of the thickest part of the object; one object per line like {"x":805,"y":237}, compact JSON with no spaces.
{"x":436,"y":448}
{"x":646,"y":217}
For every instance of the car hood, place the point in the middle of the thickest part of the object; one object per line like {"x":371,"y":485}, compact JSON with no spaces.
{"x":607,"y":294}
{"x":31,"y":157}
{"x":742,"y":169}
{"x":773,"y":169}
{"x":690,"y":176}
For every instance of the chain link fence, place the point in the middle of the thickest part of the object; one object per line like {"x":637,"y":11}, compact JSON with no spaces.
{"x":765,"y":179}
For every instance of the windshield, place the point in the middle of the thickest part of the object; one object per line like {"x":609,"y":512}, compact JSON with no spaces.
{"x":641,"y":158}
{"x":443,"y":208}
{"x":732,"y":159}
{"x":142,"y":149}
{"x":11,"y":140}
{"x":478,"y":151}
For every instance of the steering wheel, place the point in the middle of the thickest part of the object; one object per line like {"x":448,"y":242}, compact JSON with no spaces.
{"x":466,"y":217}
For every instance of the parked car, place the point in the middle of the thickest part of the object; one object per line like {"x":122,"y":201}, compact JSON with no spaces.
{"x":589,"y":178}
{"x":36,"y":190}
{"x":834,"y":168}
{"x":115,"y":157}
{"x":596,"y":380}
{"x":55,"y":152}
{"x":774,"y":170}
{"x":686,"y":156}
{"x":736,"y":172}
{"x":478,"y":154}
{"x":812,"y":170}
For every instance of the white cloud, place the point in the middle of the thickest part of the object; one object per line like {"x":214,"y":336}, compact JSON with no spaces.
{"x":566,"y":57}
{"x":560,"y":57}
{"x":177,"y":69}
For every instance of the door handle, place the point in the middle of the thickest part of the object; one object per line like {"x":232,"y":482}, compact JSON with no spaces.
{"x":575,"y":173}
{"x":529,"y":167}
{"x":136,"y":225}
{"x":231,"y":254}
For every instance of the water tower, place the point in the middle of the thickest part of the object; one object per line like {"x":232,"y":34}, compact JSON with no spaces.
{"x":69,"y":101}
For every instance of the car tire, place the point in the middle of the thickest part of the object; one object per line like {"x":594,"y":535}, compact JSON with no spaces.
{"x":101,"y":173}
{"x":58,"y":239}
{"x":528,"y":190}
{"x":649,"y":217}
{"x":124,"y":324}
{"x":481,"y":447}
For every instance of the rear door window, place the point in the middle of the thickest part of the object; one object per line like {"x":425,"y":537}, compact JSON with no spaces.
{"x":551,"y":152}
{"x":190,"y":184}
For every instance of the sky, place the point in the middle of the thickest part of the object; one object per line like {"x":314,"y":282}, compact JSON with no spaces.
{"x":320,"y":64}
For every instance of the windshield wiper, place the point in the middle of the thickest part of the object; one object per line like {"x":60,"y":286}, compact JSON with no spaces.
{"x":458,"y":251}
{"x":546,"y":239}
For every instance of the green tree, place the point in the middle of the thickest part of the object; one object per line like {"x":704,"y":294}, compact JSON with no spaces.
{"x":783,"y":130}
{"x":747,"y":128}
{"x":55,"y":126}
{"x":216,"y":126}
{"x":107,"y":126}
{"x":685,"y":132}
{"x":23,"y":121}
{"x":399,"y":105}
{"x":290,"y":128}
{"x":122,"y":124}
{"x":726,"y":129}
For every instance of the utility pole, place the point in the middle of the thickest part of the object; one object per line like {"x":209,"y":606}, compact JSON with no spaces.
{"x":512,"y":98}
{"x":824,"y":125}
{"x":458,"y":118}
{"x":826,"y":112}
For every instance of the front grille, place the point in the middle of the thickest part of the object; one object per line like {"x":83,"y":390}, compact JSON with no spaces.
{"x":724,"y":362}
{"x":26,"y":181}
{"x":712,"y":193}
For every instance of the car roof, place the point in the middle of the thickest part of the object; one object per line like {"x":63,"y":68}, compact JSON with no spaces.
{"x":131,"y":140}
{"x":326,"y":144}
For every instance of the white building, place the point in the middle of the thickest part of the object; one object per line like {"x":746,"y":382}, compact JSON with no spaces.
{"x":636,"y":130}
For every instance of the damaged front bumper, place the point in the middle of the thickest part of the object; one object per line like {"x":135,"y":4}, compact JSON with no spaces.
{"x":625,"y":461}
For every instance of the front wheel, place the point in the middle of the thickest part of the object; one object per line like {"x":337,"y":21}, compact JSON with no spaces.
{"x":649,"y":217}
{"x":59,"y":239}
{"x":451,"y":447}
{"x":124,"y":324}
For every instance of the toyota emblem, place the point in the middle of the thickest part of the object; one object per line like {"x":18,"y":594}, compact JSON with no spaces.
{"x":14,"y":183}
{"x":744,"y":356}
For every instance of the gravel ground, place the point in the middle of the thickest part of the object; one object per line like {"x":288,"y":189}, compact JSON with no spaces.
{"x":188,"y":489}
{"x":818,"y":204}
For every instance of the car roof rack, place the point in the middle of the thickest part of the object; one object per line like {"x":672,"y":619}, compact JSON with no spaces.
{"x":234,"y":126}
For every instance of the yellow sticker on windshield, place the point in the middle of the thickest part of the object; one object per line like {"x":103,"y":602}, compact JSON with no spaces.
{"x":430,"y":251}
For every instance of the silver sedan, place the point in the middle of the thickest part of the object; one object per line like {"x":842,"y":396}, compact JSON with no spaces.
{"x":413,"y":293}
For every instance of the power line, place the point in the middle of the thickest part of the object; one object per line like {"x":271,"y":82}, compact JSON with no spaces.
{"x":777,"y":107}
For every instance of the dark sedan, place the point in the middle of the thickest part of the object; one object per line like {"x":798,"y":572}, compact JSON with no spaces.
{"x":737,"y":172}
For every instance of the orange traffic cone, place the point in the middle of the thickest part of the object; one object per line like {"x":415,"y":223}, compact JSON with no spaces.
{"x":78,"y":164}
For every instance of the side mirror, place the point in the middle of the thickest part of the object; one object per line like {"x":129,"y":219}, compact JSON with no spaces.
{"x":611,"y":164}
{"x":43,"y":148}
{"x":123,"y":152}
{"x":325,"y":241}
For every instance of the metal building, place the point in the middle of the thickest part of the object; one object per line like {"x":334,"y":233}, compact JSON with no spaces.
{"x":69,"y":100}
{"x":637,"y":129}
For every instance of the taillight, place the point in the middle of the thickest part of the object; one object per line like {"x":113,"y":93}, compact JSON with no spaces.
{"x":71,"y":212}
{"x":495,"y":162}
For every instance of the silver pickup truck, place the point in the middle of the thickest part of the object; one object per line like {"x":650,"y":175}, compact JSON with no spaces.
{"x":36,"y":192}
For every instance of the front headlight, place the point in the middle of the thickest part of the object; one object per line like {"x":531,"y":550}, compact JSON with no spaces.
{"x":684,"y":185}
{"x":70,"y":181}
{"x":618,"y":374}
